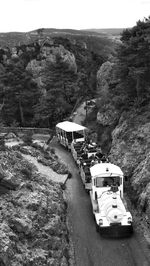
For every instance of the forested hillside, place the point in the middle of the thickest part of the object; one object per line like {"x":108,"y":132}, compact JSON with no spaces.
{"x":44,"y":73}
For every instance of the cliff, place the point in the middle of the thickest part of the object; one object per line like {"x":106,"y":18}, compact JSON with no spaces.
{"x":123,"y":127}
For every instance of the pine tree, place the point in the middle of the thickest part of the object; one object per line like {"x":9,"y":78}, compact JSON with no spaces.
{"x":20,"y":94}
{"x":61,"y":91}
{"x":134,"y":58}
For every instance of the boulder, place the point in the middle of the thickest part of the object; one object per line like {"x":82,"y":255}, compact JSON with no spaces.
{"x":21,"y":225}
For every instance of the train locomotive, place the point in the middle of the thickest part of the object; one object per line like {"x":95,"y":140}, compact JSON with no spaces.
{"x":101,"y":179}
{"x":109,"y":207}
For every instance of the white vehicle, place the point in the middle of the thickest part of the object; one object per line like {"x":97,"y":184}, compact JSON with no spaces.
{"x":109,"y":207}
{"x":69,"y":132}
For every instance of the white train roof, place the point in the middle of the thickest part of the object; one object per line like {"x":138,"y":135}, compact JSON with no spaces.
{"x":70,"y":126}
{"x":105,"y":169}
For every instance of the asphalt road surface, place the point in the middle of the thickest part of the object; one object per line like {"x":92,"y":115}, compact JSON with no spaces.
{"x":89,"y":247}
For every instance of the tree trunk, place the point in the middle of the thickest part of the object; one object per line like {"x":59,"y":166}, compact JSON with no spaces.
{"x":21,"y":113}
{"x":2,"y":105}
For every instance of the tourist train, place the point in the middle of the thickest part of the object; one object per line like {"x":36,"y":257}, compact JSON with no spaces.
{"x":101,"y":179}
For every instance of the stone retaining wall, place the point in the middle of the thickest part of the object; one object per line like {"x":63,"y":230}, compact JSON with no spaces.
{"x":25,"y":130}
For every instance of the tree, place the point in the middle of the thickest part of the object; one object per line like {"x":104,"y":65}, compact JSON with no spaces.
{"x":61,"y":91}
{"x":134,"y":59}
{"x":20,"y":94}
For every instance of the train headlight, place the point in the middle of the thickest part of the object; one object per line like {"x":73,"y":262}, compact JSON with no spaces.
{"x":129,"y":220}
{"x":100,"y":222}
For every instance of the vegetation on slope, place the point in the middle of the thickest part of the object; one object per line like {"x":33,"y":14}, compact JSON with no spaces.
{"x":43,"y":79}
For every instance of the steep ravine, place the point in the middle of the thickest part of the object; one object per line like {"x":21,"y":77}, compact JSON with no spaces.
{"x":130,"y":150}
{"x":124,"y":137}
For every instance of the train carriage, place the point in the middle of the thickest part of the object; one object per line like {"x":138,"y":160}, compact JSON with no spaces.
{"x":68,"y":132}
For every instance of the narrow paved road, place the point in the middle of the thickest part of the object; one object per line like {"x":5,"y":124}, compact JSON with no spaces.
{"x":90,"y":248}
{"x":80,"y":114}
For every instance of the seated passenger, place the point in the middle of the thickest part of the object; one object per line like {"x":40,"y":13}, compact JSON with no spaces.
{"x":104,"y":159}
{"x":84,"y":155}
{"x":93,"y":160}
{"x":99,"y":154}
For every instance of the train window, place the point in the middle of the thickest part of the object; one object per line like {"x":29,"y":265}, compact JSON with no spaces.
{"x":78,"y":134}
{"x":99,"y":181}
{"x":109,"y":181}
{"x":117,"y":180}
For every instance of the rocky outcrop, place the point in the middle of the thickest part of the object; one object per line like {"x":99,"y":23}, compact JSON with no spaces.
{"x":49,"y":54}
{"x":105,"y":78}
{"x":46,"y":156}
{"x":32,"y":217}
{"x":130,"y":150}
{"x":107,"y":115}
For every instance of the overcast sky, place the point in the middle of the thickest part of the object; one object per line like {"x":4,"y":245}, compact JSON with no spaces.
{"x":26,"y":15}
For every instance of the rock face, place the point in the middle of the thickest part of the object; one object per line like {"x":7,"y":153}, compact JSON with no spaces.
{"x":130,"y":150}
{"x":105,"y":77}
{"x":124,"y":134}
{"x":49,"y":54}
{"x":32,"y":216}
{"x":107,"y":115}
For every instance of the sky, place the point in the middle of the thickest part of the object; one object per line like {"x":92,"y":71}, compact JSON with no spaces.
{"x":28,"y":15}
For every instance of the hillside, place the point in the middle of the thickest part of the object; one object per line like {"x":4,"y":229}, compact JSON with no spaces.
{"x":47,"y":66}
{"x":95,"y":40}
{"x":108,"y":31}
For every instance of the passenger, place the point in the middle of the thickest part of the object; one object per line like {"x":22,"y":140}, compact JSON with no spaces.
{"x":99,"y":155}
{"x":84,"y":155}
{"x":83,"y":146}
{"x":93,"y":160}
{"x":104,"y":159}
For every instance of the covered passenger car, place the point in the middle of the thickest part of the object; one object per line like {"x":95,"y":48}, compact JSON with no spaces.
{"x":69,"y":132}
